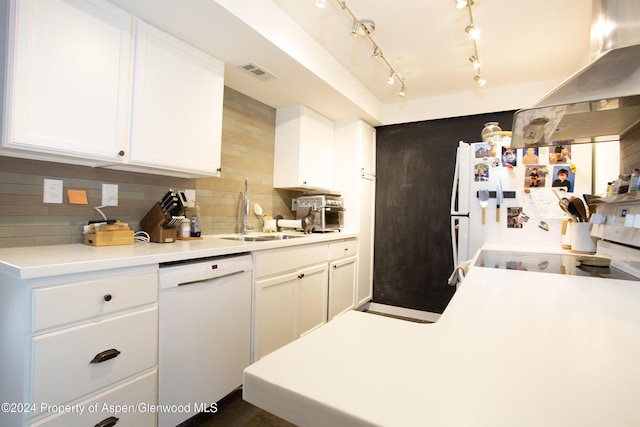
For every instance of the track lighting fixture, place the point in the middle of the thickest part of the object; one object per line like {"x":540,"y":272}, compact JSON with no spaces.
{"x":474,"y":33}
{"x":391,"y":80}
{"x":366,"y":28}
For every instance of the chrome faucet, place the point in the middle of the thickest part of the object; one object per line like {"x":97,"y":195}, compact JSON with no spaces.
{"x":245,"y":207}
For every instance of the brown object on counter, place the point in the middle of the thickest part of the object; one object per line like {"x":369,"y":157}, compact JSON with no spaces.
{"x":109,"y":235}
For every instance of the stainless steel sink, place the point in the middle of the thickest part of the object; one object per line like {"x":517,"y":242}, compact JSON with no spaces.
{"x":261,"y":237}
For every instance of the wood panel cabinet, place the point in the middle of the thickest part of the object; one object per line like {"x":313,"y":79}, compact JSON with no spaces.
{"x":80,"y":339}
{"x":355,"y":170}
{"x":303,"y":149}
{"x":299,"y":289}
{"x":290,"y":295}
{"x":177,"y":104}
{"x":342,"y":276}
{"x":289,"y":306}
{"x":71,"y":77}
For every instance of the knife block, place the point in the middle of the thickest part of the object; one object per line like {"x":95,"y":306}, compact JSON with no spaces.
{"x":153,"y":222}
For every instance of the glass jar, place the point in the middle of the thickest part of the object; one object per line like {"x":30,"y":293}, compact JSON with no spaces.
{"x":489,"y":130}
{"x":184,"y":229}
{"x":634,"y":183}
{"x":622,"y":184}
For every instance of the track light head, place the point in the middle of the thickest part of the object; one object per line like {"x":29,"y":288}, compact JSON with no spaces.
{"x":321,"y":3}
{"x":473,"y":32}
{"x":402,"y":91}
{"x":480,"y":80}
{"x":474,"y":61}
{"x":376,"y":53}
{"x":461,"y":4}
{"x":355,"y":28}
{"x":391,"y":80}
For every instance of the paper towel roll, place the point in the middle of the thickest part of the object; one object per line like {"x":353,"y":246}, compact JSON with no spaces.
{"x":290,"y":223}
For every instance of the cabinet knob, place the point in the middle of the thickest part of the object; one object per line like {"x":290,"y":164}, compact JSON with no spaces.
{"x":108,"y":422}
{"x":300,"y":276}
{"x":103,"y":356}
{"x":108,"y":297}
{"x":121,"y":153}
{"x":219,"y":169}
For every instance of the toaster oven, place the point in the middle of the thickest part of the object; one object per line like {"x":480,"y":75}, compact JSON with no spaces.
{"x":330,"y":215}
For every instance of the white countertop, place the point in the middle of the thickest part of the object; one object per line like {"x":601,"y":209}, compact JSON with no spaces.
{"x":43,"y":261}
{"x":513,"y":348}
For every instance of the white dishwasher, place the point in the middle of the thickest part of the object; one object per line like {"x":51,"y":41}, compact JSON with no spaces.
{"x":204,"y":333}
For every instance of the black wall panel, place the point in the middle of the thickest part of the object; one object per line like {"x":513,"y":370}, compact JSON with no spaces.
{"x":414,"y":177}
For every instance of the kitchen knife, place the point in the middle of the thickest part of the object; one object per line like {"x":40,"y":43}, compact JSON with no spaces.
{"x":499,"y":197}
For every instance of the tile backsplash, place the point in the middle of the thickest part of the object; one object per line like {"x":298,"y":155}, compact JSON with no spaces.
{"x":248,"y":134}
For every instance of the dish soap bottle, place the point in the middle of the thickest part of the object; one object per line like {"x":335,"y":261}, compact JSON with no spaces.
{"x":195,"y":222}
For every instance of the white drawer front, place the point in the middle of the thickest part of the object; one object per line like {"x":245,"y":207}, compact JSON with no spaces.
{"x":344,"y":249}
{"x":59,"y":305}
{"x":61,"y":360}
{"x":278,"y":261}
{"x":130,"y":402}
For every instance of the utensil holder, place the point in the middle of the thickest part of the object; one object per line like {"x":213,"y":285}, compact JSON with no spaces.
{"x":581,"y":240}
{"x":153,"y":222}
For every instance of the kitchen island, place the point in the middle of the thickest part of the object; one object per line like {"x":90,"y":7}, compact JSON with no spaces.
{"x":513,"y":348}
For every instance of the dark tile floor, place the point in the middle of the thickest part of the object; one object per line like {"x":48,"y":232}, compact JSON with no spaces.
{"x":233,"y":411}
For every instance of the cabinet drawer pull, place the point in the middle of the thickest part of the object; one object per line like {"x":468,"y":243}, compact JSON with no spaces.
{"x":121,"y":153}
{"x":105,"y":355}
{"x":300,"y":276}
{"x":108,"y":297}
{"x":108,"y":422}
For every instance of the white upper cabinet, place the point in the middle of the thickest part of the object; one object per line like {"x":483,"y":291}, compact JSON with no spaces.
{"x":177,"y":104}
{"x":69,"y":79}
{"x":90,"y":84}
{"x":304,"y":149}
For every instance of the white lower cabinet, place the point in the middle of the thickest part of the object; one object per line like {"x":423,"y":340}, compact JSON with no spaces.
{"x":80,"y":349}
{"x":299,"y":289}
{"x":127,"y":404}
{"x":289,"y":306}
{"x":342,"y":278}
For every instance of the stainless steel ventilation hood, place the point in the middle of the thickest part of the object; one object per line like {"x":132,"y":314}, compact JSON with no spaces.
{"x":600,"y":102}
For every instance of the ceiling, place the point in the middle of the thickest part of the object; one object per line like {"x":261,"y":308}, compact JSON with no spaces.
{"x":318,"y":64}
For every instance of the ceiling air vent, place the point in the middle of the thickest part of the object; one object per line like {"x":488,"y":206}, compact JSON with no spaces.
{"x":257,"y":71}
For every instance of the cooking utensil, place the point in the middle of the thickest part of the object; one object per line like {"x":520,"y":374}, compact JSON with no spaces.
{"x":564,"y":205}
{"x":483,"y":195}
{"x":581,"y":209}
{"x":499,"y":198}
{"x":573,"y":210}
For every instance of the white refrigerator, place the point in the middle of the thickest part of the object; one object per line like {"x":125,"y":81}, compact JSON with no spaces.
{"x":529,"y":214}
